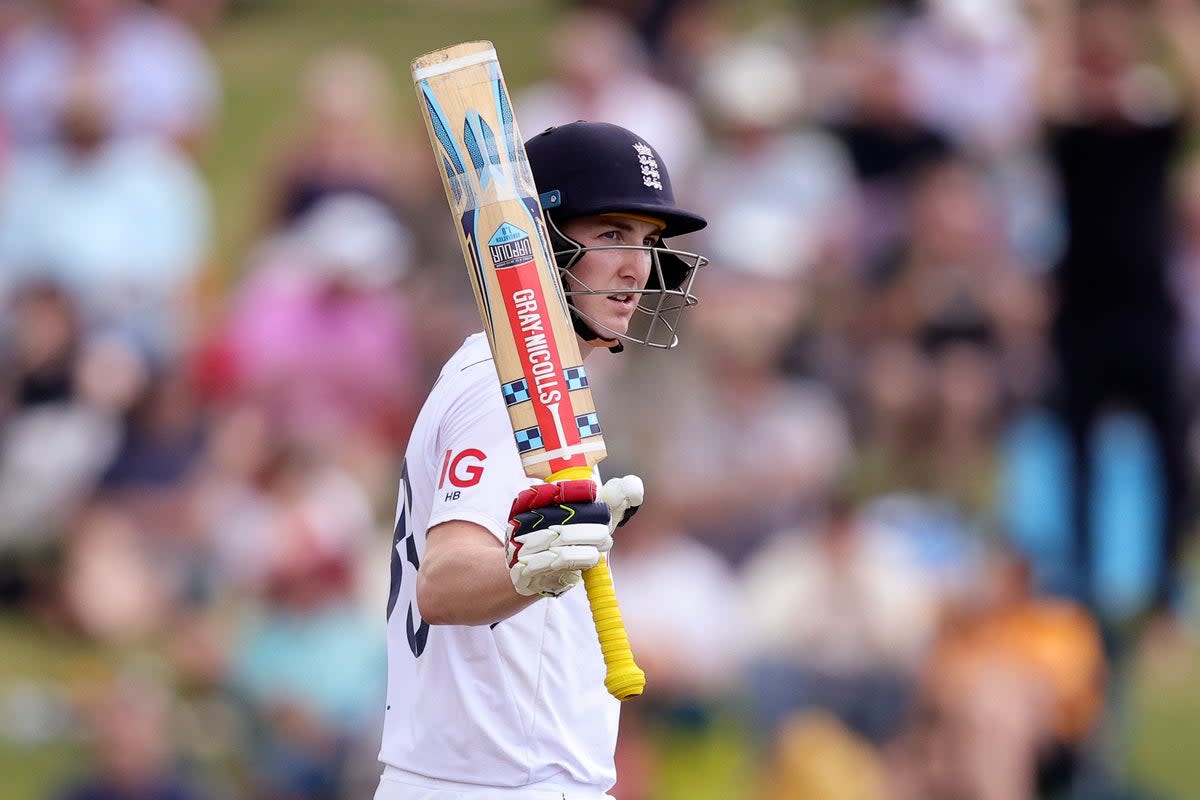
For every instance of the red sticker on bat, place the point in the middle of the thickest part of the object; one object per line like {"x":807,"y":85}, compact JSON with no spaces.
{"x":537,"y":349}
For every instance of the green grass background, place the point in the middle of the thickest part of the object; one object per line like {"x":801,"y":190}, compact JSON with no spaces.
{"x":260,"y":52}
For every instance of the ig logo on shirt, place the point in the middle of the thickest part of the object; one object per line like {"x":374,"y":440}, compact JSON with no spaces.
{"x":462,"y":470}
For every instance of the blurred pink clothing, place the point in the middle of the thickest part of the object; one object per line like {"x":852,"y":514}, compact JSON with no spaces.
{"x":324,"y":357}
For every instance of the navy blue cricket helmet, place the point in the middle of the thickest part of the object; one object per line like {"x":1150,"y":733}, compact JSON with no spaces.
{"x":588,"y":168}
{"x":597,"y":168}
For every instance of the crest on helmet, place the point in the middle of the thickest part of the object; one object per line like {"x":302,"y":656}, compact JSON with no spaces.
{"x":650,"y":174}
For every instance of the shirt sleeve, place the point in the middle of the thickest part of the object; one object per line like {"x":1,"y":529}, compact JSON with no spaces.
{"x":479,"y":471}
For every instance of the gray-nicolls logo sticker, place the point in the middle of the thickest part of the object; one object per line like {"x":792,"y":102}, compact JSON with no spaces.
{"x":650,"y":175}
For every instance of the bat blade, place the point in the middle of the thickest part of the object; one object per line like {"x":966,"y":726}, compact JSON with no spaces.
{"x":493,"y":198}
{"x":494,"y":202}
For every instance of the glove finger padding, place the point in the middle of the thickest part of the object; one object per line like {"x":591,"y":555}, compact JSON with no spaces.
{"x":623,"y":496}
{"x":554,"y":531}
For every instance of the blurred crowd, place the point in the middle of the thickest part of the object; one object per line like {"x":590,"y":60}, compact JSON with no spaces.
{"x":918,"y":476}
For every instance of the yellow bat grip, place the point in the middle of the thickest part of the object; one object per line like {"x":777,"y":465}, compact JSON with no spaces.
{"x":624,"y":678}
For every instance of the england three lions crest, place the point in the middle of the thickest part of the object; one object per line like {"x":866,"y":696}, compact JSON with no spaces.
{"x":649,"y":164}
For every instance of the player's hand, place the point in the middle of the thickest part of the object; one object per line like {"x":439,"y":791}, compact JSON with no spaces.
{"x":623,"y":496}
{"x":555,"y":530}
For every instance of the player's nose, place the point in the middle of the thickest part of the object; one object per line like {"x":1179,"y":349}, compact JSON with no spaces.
{"x":636,"y":264}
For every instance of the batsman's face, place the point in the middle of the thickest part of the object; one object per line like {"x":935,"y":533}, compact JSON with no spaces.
{"x":614,"y":270}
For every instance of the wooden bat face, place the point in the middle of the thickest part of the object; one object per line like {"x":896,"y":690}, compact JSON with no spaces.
{"x":500,"y":226}
{"x":494,"y":200}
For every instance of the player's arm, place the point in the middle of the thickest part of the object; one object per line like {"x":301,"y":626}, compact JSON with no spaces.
{"x":555,"y":531}
{"x":464,"y":579}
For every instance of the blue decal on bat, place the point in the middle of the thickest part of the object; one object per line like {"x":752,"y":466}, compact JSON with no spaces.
{"x":588,"y":424}
{"x":471,"y":138}
{"x":455,"y":182}
{"x":515,"y":392}
{"x":481,"y":146}
{"x":505,"y":114}
{"x":528,"y":439}
{"x":442,"y":132}
{"x":489,"y":142}
{"x":576,"y":378}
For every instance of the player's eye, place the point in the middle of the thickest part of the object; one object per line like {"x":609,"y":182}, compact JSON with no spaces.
{"x":651,"y":241}
{"x":612,"y":235}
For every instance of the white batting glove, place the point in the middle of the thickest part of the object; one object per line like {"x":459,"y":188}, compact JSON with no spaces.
{"x":623,"y":496}
{"x":555,"y":530}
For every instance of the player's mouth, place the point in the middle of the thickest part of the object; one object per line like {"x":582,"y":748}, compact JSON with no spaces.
{"x":624,"y":300}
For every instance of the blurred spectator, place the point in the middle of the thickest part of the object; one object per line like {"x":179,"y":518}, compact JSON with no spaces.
{"x":15,"y":16}
{"x":162,"y":443}
{"x":320,"y":333}
{"x":133,"y":556}
{"x":230,"y":500}
{"x":41,"y":334}
{"x":309,"y":663}
{"x":134,"y":749}
{"x":115,"y":590}
{"x":683,"y":610}
{"x":600,"y":74}
{"x":861,"y":92}
{"x":786,"y":437}
{"x":159,"y":79}
{"x":894,"y":418}
{"x":271,"y":479}
{"x":970,"y":67}
{"x":202,"y":16}
{"x":838,"y":622}
{"x":1114,"y":124}
{"x":1185,"y":272}
{"x":121,"y":223}
{"x":1011,"y":694}
{"x":969,"y":398}
{"x":942,"y":280}
{"x":954,"y":327}
{"x":817,"y":757}
{"x":794,"y":210}
{"x":58,"y":435}
{"x":674,"y":33}
{"x":682,"y":606}
{"x":929,"y":535}
{"x":348,"y":142}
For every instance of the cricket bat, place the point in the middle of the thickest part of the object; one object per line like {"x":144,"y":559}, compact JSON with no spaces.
{"x":497,"y":216}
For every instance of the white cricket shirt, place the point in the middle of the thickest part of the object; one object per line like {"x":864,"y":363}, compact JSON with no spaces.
{"x":520,"y":703}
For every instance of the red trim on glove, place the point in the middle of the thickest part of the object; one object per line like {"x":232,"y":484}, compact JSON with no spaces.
{"x":552,"y":494}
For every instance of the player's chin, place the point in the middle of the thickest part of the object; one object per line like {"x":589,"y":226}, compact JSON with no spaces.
{"x":608,"y":319}
{"x":613,"y":327}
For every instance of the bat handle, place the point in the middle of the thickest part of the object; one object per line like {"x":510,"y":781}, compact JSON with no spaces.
{"x":624,"y":678}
